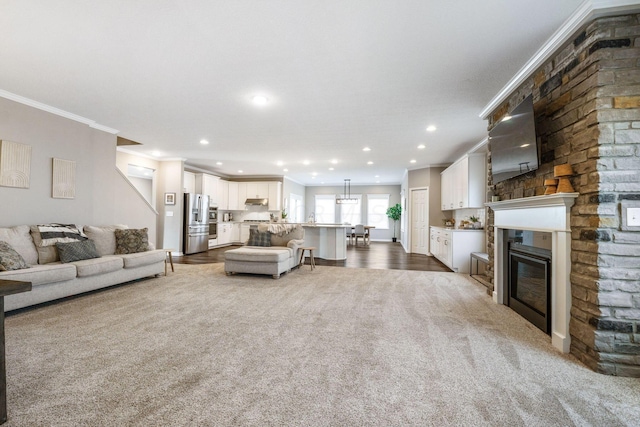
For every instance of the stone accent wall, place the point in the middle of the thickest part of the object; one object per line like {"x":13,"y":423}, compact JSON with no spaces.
{"x":587,"y":108}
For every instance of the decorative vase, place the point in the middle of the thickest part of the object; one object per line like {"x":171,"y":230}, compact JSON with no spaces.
{"x":552,"y":186}
{"x":563,"y":172}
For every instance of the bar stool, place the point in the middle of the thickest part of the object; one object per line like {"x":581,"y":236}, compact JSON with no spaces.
{"x":312,"y":261}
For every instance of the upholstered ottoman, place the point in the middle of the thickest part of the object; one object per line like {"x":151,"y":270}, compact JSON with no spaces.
{"x":273,"y":260}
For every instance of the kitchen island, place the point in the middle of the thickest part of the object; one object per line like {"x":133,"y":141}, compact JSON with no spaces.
{"x":330,"y":240}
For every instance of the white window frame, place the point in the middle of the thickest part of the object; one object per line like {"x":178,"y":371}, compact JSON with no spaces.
{"x":378,"y":219}
{"x":321,"y":217}
{"x":347,"y":207}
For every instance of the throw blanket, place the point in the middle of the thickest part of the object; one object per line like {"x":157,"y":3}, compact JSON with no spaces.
{"x":63,"y":233}
{"x":277,"y":229}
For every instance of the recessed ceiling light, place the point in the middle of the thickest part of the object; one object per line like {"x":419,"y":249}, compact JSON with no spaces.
{"x":219,"y":163}
{"x":314,"y":173}
{"x":412,"y":161}
{"x":377,"y":176}
{"x":366,"y":149}
{"x":369,"y":162}
{"x":306,"y":162}
{"x":156,"y":153}
{"x":431,"y":128}
{"x":279,"y":163}
{"x":334,"y":162}
{"x":260,"y":100}
{"x":204,"y":142}
{"x":239,"y":170}
{"x":421,"y":146}
{"x":285,"y":170}
{"x":377,"y":182}
{"x":313,"y":177}
{"x":331,"y":169}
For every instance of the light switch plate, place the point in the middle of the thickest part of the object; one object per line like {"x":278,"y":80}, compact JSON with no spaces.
{"x":633,"y":217}
{"x":169,"y":213}
{"x":630,"y":215}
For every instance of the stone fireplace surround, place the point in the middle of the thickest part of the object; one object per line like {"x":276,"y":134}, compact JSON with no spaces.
{"x":550,"y":213}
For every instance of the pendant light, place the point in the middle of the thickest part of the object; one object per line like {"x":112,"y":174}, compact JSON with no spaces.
{"x":346,"y":196}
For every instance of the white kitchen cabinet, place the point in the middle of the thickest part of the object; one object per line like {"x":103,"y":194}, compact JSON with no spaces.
{"x":224,"y":233}
{"x":244,"y":232}
{"x":208,"y":185}
{"x":463,"y":184}
{"x":275,"y":196}
{"x":189,"y":182}
{"x":453,"y":247}
{"x":252,"y":190}
{"x":233,"y":197}
{"x":235,"y":233}
{"x":213,"y":243}
{"x":223,"y":195}
{"x":242,"y":194}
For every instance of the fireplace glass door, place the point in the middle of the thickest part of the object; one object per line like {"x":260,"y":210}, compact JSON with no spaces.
{"x":530,"y":284}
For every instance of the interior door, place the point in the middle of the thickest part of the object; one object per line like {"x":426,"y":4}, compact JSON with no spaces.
{"x":420,"y":221}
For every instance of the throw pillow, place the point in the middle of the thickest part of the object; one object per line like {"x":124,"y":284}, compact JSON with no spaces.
{"x":10,"y":259}
{"x":77,"y":251}
{"x":45,"y":236}
{"x":50,"y":234}
{"x":131,"y":241}
{"x":258,"y":238}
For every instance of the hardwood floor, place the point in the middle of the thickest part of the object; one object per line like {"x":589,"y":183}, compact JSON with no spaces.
{"x":380,"y":255}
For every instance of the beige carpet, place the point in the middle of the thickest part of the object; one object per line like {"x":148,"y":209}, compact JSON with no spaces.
{"x":332,"y":347}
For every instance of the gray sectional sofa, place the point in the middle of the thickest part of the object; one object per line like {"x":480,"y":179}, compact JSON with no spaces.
{"x":52,"y":279}
{"x":280,"y":255}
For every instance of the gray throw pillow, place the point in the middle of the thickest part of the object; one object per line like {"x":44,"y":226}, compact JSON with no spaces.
{"x":131,"y":241}
{"x":258,"y":238}
{"x":10,"y":259}
{"x":77,"y":251}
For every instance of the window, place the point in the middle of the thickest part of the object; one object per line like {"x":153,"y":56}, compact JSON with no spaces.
{"x":325,"y":209}
{"x":352,"y":213}
{"x":296,"y":208}
{"x":377,"y":205}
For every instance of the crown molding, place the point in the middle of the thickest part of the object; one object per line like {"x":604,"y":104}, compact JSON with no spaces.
{"x":587,"y":11}
{"x":58,"y":112}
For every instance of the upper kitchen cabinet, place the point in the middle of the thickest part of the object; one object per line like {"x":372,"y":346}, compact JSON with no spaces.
{"x":223,"y":194}
{"x":208,"y":185}
{"x":189,"y":182}
{"x":463,"y":184}
{"x":275,"y":196}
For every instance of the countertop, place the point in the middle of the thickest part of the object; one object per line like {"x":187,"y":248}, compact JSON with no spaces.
{"x":458,"y":229}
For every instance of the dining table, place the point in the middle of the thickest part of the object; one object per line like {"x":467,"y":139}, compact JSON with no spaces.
{"x":367,"y":233}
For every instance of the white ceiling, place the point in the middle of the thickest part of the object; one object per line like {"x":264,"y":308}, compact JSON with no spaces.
{"x":339,"y":75}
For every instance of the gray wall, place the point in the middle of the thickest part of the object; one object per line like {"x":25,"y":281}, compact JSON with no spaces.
{"x":392,"y":190}
{"x":103,"y":196}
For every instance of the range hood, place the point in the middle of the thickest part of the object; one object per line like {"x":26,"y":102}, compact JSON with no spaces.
{"x":257,"y":202}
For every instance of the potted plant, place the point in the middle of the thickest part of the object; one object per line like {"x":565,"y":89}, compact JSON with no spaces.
{"x":394,"y":213}
{"x":284,"y":215}
{"x":475,"y":221}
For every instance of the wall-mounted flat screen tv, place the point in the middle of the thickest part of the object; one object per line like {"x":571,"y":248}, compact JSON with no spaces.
{"x":512,"y":143}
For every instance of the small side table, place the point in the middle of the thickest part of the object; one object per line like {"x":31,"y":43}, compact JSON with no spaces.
{"x":7,"y":287}
{"x":170,"y":261}
{"x":312,"y":260}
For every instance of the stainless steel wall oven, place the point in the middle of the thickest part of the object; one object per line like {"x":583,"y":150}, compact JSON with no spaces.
{"x":213,"y":223}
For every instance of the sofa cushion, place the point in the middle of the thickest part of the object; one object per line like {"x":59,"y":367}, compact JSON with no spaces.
{"x":10,"y":259}
{"x":76,"y":251}
{"x":259,"y":238}
{"x":259,"y":254}
{"x":40,"y":274}
{"x":278,"y":239}
{"x":143,"y":258}
{"x":20,"y":239}
{"x":131,"y":241}
{"x":104,"y":237}
{"x":91,"y":267}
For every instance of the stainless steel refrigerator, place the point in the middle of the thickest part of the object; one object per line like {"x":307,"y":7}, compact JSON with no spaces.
{"x":196,"y":223}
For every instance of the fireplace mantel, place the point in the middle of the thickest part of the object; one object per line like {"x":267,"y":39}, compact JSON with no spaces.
{"x":549,"y":213}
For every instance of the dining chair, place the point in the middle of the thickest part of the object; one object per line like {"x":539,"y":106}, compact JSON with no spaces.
{"x":359,"y":232}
